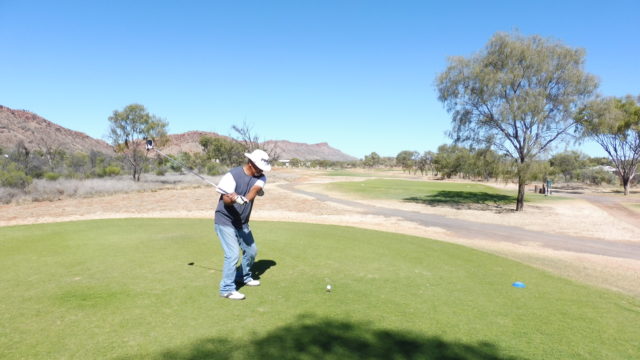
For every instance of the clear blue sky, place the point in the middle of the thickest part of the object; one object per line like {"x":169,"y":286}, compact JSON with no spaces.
{"x":356,"y":74}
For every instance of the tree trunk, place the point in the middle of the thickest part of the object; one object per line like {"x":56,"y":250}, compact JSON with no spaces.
{"x":625,"y":183}
{"x":136,"y":173}
{"x":520,"y":200}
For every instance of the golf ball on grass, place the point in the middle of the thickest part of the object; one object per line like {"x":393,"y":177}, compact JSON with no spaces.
{"x":328,"y":288}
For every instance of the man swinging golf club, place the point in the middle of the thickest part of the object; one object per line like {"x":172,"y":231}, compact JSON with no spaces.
{"x":238,"y":188}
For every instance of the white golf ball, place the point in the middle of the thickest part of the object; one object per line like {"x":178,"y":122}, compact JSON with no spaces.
{"x":328,"y":287}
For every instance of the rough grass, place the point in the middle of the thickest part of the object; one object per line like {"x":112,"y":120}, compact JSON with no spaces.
{"x":122,"y":289}
{"x":47,"y":190}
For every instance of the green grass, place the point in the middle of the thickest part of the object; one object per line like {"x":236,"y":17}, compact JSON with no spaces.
{"x":363,"y":173}
{"x":433,"y":192}
{"x":349,"y":173}
{"x":122,"y":289}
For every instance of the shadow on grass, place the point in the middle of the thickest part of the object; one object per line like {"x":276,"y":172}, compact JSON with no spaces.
{"x":261,"y":266}
{"x":621,"y":192}
{"x":310,"y":337}
{"x":478,"y":200}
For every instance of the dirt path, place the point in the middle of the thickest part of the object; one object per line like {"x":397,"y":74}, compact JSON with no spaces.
{"x":299,"y":196}
{"x":613,"y":204}
{"x":493,"y":232}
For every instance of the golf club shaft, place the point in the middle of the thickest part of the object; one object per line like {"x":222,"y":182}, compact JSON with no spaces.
{"x":189,"y":170}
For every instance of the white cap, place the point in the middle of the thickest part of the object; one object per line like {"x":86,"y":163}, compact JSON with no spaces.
{"x":260,"y":158}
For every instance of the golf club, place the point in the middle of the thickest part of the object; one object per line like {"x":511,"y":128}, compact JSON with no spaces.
{"x":149,"y":145}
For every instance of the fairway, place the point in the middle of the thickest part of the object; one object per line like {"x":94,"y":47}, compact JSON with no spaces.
{"x":120,"y":289}
{"x":432,"y":192}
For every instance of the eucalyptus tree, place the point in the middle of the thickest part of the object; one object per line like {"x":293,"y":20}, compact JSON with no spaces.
{"x":128,"y":132}
{"x":485,"y":164}
{"x":372,"y":160}
{"x":226,"y":151}
{"x":406,"y":160}
{"x":451,"y":160}
{"x":424,"y":162}
{"x":518,"y":95}
{"x":568,"y":163}
{"x":614,"y":123}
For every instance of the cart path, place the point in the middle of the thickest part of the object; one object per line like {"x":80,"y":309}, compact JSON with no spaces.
{"x":493,"y":232}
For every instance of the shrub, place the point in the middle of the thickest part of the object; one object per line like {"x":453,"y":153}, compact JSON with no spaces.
{"x":7,"y":195}
{"x":295,"y":162}
{"x":596,"y":176}
{"x":51,"y":176}
{"x":214,"y":168}
{"x":109,"y":171}
{"x":14,"y":178}
{"x":161,"y":171}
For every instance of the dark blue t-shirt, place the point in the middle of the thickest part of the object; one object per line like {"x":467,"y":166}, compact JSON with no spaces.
{"x":235,"y":214}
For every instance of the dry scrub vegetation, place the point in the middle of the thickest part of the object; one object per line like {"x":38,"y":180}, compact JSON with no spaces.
{"x":46,"y":190}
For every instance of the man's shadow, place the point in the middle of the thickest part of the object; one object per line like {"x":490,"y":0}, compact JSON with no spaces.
{"x":259,"y":267}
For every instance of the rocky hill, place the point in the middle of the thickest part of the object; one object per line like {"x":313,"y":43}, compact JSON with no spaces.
{"x":38,"y":133}
{"x":188,"y":142}
{"x":289,"y":150}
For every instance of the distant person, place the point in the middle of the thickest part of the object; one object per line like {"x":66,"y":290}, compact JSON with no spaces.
{"x":548,"y":188}
{"x":238,"y":188}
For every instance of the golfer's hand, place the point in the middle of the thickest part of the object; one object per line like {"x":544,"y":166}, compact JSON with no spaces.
{"x":234,"y":198}
{"x":229,"y":198}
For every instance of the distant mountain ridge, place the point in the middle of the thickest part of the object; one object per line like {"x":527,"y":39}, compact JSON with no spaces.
{"x":37,"y":133}
{"x":190,"y":142}
{"x":322,"y":151}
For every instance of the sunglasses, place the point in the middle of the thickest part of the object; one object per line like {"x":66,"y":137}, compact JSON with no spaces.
{"x":255,"y":167}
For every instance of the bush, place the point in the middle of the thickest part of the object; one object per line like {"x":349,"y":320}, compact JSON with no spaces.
{"x":51,"y":176}
{"x":597,"y":176}
{"x":7,"y":195}
{"x":214,"y":169}
{"x":14,"y":178}
{"x":109,"y":171}
{"x":161,"y":171}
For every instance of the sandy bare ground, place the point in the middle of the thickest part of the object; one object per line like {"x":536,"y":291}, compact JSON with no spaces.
{"x":588,"y":215}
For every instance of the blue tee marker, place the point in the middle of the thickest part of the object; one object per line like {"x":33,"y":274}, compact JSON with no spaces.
{"x":519,"y":284}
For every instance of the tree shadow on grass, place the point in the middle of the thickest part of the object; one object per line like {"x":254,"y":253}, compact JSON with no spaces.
{"x":477,"y":200}
{"x":311,"y":337}
{"x":631,"y":192}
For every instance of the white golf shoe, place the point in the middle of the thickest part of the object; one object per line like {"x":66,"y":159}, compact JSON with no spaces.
{"x":234,"y":295}
{"x":253,"y":282}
